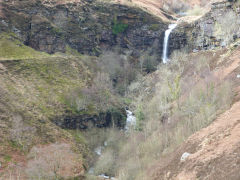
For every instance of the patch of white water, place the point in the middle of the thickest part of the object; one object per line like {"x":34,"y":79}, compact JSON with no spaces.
{"x":106,"y":177}
{"x":171,"y":27}
{"x":130,"y":123}
{"x":98,"y":150}
{"x":131,"y":120}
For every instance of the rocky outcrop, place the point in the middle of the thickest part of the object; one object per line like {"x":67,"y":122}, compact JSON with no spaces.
{"x":88,"y":27}
{"x":218,"y":28}
{"x":101,"y":120}
{"x":178,"y":39}
{"x":93,"y":26}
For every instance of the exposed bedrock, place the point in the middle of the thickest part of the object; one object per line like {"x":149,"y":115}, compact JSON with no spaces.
{"x":88,"y":27}
{"x":101,"y":120}
{"x":218,"y":28}
{"x":92,"y":27}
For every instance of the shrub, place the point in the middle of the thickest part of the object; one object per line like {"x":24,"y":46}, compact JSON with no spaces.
{"x":53,"y":162}
{"x":140,"y":117}
{"x":178,"y":6}
{"x":120,"y":70}
{"x":118,"y":27}
{"x":97,"y":97}
{"x":113,"y":138}
{"x":148,"y":63}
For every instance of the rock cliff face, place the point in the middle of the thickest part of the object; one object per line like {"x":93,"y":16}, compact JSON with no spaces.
{"x":89,"y":26}
{"x":104,"y":119}
{"x":178,"y":39}
{"x":219,"y":27}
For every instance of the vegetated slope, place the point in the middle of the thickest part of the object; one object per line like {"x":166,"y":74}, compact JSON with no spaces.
{"x":214,"y":150}
{"x":40,"y":92}
{"x":43,"y":100}
{"x":33,"y":85}
{"x":42,"y":95}
{"x":173,"y":103}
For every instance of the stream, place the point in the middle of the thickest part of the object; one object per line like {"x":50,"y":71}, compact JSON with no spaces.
{"x":130,"y":124}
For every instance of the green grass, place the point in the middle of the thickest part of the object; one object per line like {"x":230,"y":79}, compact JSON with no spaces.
{"x":119,"y":27}
{"x":12,"y":48}
{"x":127,"y":101}
{"x":78,"y":136}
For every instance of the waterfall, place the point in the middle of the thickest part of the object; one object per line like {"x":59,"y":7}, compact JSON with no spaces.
{"x":131,"y":120}
{"x":165,"y":44}
{"x":131,"y":123}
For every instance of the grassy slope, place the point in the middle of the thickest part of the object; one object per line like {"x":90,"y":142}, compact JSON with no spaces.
{"x":33,"y":90}
{"x":12,"y":48}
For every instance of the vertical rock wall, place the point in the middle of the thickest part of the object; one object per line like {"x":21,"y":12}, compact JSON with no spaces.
{"x":217,"y":28}
{"x":88,"y":27}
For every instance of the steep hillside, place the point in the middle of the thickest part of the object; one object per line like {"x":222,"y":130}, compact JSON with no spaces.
{"x":72,"y":72}
{"x":214,"y":150}
{"x":176,"y":101}
{"x":41,"y":93}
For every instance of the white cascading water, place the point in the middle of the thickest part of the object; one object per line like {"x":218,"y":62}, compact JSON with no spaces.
{"x":98,"y":150}
{"x":131,"y":120}
{"x":130,"y":123}
{"x":171,"y":27}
